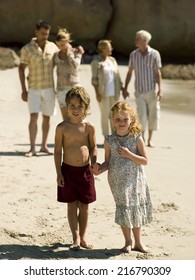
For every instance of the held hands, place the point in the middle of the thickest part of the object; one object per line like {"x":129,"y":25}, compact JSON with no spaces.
{"x":125,"y":93}
{"x":159,"y":95}
{"x":96,"y":168}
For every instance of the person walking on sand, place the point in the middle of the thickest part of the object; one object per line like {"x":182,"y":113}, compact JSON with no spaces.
{"x":38,"y":57}
{"x":106,"y":82}
{"x":75,"y":149}
{"x":67,"y":60}
{"x":146,"y":63}
{"x":125,"y":155}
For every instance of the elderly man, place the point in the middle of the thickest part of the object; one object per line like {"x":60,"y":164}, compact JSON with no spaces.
{"x":40,"y":95}
{"x":146,"y":63}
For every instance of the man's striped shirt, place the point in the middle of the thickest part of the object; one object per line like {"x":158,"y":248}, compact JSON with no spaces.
{"x":144,"y":67}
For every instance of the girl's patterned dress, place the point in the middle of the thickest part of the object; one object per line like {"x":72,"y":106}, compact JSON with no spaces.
{"x":128,"y":184}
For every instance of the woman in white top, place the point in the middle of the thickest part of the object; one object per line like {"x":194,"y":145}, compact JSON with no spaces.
{"x":106,"y":81}
{"x":67,"y":60}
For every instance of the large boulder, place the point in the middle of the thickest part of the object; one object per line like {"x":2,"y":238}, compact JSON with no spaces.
{"x":8,"y":58}
{"x":185,"y":72}
{"x":86,"y":20}
{"x":171,"y":23}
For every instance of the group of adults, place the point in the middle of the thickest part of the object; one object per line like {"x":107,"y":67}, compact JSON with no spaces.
{"x":38,"y":89}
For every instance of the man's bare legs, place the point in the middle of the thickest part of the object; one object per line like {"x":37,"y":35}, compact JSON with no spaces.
{"x":32,"y":127}
{"x":150,"y":144}
{"x":78,"y":219}
{"x":33,"y":133}
{"x":150,"y":133}
{"x":45,"y":131}
{"x":138,"y":244}
{"x":128,"y":242}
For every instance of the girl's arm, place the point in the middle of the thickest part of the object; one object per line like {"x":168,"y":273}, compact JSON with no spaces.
{"x":100,"y":168}
{"x":140,"y":158}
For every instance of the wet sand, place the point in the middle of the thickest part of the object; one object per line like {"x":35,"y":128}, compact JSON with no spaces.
{"x":179,"y":96}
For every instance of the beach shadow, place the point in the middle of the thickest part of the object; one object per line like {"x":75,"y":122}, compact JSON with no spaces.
{"x":55,"y":251}
{"x":20,"y":153}
{"x":37,"y":145}
{"x":100,"y":146}
{"x":11,"y":154}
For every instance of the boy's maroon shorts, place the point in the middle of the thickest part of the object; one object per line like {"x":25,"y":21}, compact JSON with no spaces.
{"x":79,"y":184}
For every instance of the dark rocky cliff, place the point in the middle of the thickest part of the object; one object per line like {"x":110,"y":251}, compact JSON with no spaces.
{"x":171,"y":23}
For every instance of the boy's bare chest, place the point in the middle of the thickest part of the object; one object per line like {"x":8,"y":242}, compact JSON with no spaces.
{"x":76,"y":133}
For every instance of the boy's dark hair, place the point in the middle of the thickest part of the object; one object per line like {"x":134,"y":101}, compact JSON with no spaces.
{"x":42,"y":24}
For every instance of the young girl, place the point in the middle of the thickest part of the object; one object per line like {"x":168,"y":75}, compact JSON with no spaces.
{"x":125,"y":154}
{"x":67,"y":60}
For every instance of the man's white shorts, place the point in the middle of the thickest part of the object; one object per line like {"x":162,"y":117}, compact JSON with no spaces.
{"x":41,"y":100}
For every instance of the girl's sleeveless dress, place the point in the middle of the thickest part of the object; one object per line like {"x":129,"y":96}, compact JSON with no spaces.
{"x":128,"y":184}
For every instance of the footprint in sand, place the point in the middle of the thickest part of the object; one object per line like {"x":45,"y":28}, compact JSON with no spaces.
{"x":165,"y":207}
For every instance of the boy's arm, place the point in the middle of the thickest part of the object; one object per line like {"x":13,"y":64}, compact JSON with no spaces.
{"x":58,"y":154}
{"x":92,"y":145}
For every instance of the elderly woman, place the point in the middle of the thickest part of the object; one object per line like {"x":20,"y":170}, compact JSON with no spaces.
{"x":106,"y":81}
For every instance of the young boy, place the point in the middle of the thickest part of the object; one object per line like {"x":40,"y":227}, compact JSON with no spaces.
{"x":75,"y":149}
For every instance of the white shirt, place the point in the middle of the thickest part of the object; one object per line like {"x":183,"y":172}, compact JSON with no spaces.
{"x":109,"y":79}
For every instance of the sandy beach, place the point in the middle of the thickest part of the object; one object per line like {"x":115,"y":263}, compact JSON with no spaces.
{"x":34,"y":225}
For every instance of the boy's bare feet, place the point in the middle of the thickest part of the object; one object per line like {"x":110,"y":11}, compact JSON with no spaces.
{"x":86,"y":245}
{"x":74,"y":247}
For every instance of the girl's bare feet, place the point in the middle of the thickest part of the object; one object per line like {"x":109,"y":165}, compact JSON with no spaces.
{"x":141,"y":248}
{"x":86,"y":245}
{"x":127,"y":247}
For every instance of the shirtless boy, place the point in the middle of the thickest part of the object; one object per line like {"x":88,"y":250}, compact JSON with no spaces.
{"x":75,"y":149}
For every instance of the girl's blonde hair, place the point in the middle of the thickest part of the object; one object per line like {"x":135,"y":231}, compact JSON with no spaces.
{"x":63,"y":35}
{"x":82,"y":95}
{"x":135,"y":126}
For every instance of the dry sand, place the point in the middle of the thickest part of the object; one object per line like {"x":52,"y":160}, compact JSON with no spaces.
{"x":34,"y":225}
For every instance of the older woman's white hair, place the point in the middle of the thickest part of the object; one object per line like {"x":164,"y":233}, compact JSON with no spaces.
{"x":144,"y":35}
